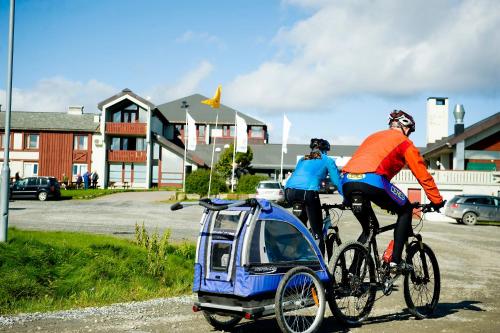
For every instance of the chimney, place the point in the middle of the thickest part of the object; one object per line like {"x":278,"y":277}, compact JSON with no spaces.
{"x":76,"y":110}
{"x":437,"y":119}
{"x":459,"y":113}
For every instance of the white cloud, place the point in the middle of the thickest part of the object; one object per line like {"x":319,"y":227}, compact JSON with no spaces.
{"x":188,"y":84}
{"x":385,"y":48}
{"x":57,"y":93}
{"x":200,"y":37}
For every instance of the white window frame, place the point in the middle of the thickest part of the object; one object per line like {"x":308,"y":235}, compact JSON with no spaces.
{"x":28,"y":141}
{"x":76,"y":142}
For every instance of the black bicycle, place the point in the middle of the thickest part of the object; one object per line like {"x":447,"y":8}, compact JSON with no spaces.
{"x":358,"y":272}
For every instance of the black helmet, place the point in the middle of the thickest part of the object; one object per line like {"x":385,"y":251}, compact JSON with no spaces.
{"x":320,"y":144}
{"x":403,"y":119}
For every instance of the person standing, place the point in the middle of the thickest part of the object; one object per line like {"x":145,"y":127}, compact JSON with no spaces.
{"x":17,"y":176}
{"x":86,"y":180}
{"x":94,"y":177}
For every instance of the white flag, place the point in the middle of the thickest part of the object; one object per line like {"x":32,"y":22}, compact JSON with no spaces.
{"x":286,"y":128}
{"x":191,"y":131}
{"x":241,"y":135}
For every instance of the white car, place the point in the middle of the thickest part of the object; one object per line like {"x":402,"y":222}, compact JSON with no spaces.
{"x":270,"y":190}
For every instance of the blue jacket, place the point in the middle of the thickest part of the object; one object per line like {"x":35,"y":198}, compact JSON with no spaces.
{"x":308,"y":174}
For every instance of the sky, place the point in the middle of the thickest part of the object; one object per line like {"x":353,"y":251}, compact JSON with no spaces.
{"x":335,"y":68}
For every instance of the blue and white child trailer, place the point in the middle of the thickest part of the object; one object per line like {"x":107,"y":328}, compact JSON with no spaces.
{"x":243,"y":253}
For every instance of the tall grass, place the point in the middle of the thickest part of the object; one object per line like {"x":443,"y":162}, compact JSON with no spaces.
{"x":42,"y":271}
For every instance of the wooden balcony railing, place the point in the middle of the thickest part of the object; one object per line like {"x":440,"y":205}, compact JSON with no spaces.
{"x":126,"y":156}
{"x":126,"y":128}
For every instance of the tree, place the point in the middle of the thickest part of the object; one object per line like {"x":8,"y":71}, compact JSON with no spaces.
{"x":243,"y":162}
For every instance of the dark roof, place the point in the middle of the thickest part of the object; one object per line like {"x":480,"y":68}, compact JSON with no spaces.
{"x":201,"y":113}
{"x":50,"y":121}
{"x":180,"y":151}
{"x":125,"y":91}
{"x":268,"y":156}
{"x":474,"y":129}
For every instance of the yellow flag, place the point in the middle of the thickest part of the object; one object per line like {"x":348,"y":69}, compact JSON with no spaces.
{"x":215,"y":101}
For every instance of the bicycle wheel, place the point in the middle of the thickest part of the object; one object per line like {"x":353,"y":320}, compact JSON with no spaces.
{"x":423,"y":284}
{"x":222,"y":322}
{"x":300,"y":301}
{"x":354,"y":283}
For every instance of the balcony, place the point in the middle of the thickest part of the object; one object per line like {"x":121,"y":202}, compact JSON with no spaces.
{"x":453,"y":177}
{"x":126,"y":156}
{"x":126,"y":128}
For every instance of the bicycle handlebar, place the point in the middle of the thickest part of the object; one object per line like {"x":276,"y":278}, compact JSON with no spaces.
{"x":426,"y":208}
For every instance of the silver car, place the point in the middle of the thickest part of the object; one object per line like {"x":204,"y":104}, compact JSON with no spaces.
{"x":469,"y":209}
{"x":270,"y":190}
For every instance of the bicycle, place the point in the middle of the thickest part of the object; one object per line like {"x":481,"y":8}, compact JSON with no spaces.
{"x":330,"y":233}
{"x":357,"y":272}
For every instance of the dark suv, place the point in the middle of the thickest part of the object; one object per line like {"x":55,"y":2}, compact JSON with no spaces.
{"x":469,"y":209}
{"x":41,"y":188}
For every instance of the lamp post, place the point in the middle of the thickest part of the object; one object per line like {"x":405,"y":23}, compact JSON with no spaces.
{"x":4,"y":193}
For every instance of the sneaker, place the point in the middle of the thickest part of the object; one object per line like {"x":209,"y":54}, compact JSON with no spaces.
{"x":400,"y":268}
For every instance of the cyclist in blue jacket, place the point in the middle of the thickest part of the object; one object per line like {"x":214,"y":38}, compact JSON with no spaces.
{"x":303,"y":185}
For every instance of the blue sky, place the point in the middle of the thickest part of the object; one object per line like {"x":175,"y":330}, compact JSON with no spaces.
{"x":336,"y":68}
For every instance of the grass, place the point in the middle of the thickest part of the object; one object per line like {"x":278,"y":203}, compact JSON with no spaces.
{"x":45,"y":271}
{"x":94,"y":193}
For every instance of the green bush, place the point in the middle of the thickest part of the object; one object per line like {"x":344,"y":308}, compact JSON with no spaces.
{"x":248,"y":183}
{"x":197,"y":182}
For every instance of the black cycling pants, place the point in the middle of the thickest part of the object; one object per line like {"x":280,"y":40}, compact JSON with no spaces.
{"x":312,"y":211}
{"x":384,"y":201}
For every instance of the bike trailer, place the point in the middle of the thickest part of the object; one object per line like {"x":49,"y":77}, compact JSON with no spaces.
{"x":243,"y":253}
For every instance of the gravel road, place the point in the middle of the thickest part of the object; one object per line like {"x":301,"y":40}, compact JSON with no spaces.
{"x":468,"y":259}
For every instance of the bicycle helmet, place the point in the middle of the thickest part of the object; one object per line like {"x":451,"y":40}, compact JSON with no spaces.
{"x":403,"y":119}
{"x":321,"y":144}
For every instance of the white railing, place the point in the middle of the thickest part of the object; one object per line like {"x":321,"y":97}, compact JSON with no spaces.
{"x":451,"y":177}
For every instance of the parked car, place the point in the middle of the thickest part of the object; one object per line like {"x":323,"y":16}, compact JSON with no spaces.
{"x":326,"y":186}
{"x":41,"y":188}
{"x":270,"y":190}
{"x":469,"y":209}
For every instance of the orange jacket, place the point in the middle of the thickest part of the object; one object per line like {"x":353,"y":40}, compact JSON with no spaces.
{"x":386,"y":153}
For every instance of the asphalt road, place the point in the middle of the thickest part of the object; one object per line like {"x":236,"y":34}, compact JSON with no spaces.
{"x":468,"y":258}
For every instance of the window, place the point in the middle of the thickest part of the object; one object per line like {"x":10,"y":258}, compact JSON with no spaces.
{"x":115,"y":172}
{"x":278,"y":241}
{"x":232,"y":131}
{"x":32,"y":141}
{"x":78,"y":169}
{"x":139,"y":173}
{"x":201,"y":131}
{"x":440,"y":101}
{"x":115,"y":143}
{"x":124,"y":144}
{"x":30,"y":169}
{"x":2,"y":140}
{"x":140,"y":144}
{"x":117,"y":117}
{"x":257,"y":131}
{"x":80,"y":142}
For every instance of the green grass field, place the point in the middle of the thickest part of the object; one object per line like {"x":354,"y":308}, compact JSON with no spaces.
{"x":44,"y":271}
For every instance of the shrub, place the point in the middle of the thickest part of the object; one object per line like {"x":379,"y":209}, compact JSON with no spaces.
{"x":197,"y":182}
{"x":248,"y":183}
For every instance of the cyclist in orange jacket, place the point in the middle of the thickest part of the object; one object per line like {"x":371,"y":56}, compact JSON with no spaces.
{"x":366,"y":178}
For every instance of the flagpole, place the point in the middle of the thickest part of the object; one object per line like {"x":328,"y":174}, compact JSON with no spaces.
{"x":282,"y":143}
{"x":213,"y":153}
{"x":185,"y":106}
{"x":234,"y":151}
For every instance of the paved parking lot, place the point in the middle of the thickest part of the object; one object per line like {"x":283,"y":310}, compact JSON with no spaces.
{"x":468,"y":258}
